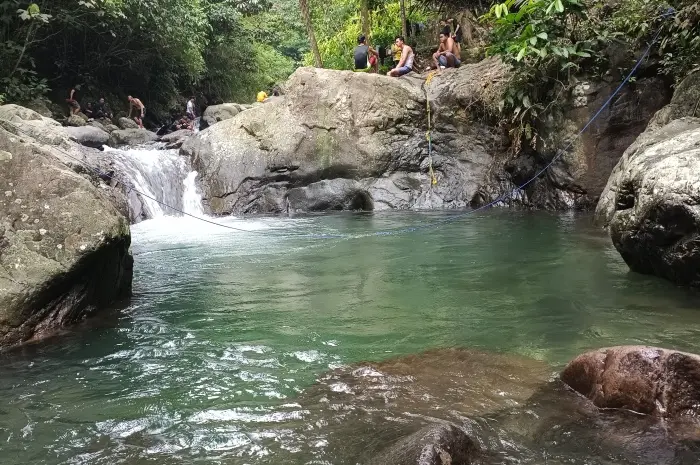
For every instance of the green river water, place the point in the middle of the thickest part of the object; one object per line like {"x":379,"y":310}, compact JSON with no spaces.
{"x":224,"y":354}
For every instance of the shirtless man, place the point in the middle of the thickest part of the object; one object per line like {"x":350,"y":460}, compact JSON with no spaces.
{"x":405,"y":64}
{"x":135,"y":104}
{"x":447,"y":55}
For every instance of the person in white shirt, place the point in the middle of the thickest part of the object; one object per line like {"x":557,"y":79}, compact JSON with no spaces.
{"x":190,"y":109}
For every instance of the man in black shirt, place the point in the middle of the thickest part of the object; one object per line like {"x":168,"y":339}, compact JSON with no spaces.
{"x":365,"y":56}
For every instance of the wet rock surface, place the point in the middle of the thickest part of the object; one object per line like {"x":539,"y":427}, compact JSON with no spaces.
{"x":643,"y":379}
{"x":467,"y":407}
{"x":88,"y":136}
{"x":441,"y":444}
{"x":64,"y":245}
{"x":131,"y":137}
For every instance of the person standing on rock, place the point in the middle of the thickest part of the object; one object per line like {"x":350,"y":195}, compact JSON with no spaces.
{"x":405,"y":64}
{"x":365,"y":56}
{"x":73,"y":102}
{"x":190,"y":109}
{"x":136,"y":104}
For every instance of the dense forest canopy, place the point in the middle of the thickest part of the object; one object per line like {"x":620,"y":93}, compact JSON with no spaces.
{"x":227,"y":50}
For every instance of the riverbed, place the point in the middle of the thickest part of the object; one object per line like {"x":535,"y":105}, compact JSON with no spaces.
{"x":222,"y":354}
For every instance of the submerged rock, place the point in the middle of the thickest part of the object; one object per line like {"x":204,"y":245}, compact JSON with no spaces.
{"x":131,"y":137}
{"x":652,"y":203}
{"x":643,"y":379}
{"x":88,"y":136}
{"x":64,"y":246}
{"x":442,"y":444}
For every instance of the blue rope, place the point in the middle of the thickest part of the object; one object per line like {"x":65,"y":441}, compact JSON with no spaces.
{"x":390,"y":232}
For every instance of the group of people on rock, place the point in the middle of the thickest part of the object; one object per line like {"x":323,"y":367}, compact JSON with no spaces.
{"x":137,"y":110}
{"x":448,"y":54}
{"x":100,"y":109}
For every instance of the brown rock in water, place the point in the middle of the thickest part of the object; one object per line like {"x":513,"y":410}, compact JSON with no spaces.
{"x":442,"y":444}
{"x":363,"y":410}
{"x":643,"y":379}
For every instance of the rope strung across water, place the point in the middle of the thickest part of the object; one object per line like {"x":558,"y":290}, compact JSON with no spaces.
{"x":433,"y":178}
{"x":389,"y":232}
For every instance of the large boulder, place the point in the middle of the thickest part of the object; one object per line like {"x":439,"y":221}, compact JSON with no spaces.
{"x":215,"y":113}
{"x":359,"y":127}
{"x":64,"y":246}
{"x":127,"y":123}
{"x":131,"y":137}
{"x":642,"y":379}
{"x":88,"y":136}
{"x":652,"y":203}
{"x":440,"y":444}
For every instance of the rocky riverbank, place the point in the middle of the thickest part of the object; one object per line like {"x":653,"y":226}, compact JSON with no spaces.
{"x":338,"y":140}
{"x":64,"y":236}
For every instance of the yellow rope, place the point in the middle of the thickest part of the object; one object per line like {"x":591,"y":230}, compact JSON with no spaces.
{"x":433,"y":178}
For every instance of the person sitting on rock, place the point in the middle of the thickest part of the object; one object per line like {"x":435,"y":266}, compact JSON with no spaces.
{"x":136,"y":104}
{"x":365,"y":56}
{"x":73,"y":103}
{"x":89,"y":111}
{"x":447,"y":55}
{"x":405,"y":64}
{"x":102,"y":109}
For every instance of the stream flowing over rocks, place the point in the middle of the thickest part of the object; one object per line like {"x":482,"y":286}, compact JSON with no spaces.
{"x":64,"y":244}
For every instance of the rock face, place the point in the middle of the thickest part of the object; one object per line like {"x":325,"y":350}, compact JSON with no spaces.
{"x":131,"y":137}
{"x":652,"y":203}
{"x":643,"y":379}
{"x":215,"y":113}
{"x":443,"y":444}
{"x":578,"y":178}
{"x":88,"y":136}
{"x":367,"y":130}
{"x":64,"y":247}
{"x":684,"y":102}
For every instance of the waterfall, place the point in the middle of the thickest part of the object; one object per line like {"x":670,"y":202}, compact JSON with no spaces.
{"x":160,"y":174}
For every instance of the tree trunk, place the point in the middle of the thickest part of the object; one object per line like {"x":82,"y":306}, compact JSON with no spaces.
{"x":364,"y":18}
{"x":306,"y":16}
{"x":402,"y":5}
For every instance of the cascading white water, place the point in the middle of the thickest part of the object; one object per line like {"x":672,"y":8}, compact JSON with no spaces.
{"x":191,"y":198}
{"x":162,"y":175}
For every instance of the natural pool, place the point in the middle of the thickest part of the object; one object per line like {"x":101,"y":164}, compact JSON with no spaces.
{"x":217,"y":358}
